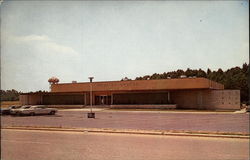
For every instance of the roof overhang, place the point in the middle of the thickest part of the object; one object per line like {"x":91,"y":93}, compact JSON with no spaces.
{"x":139,"y":85}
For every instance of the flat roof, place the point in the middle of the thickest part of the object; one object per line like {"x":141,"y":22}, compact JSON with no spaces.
{"x":52,"y":93}
{"x":130,"y":85}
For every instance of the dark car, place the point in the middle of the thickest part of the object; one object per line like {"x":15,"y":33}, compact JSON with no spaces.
{"x":248,"y":108}
{"x":6,"y":111}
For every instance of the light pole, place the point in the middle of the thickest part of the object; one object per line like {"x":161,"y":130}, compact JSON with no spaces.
{"x":91,"y":114}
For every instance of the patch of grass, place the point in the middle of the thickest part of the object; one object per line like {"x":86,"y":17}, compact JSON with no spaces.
{"x":6,"y":104}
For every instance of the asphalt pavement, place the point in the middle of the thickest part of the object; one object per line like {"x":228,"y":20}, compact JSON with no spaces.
{"x":141,"y":120}
{"x":46,"y":145}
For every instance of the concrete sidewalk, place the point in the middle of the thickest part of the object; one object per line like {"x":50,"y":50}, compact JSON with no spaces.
{"x":84,"y":109}
{"x":130,"y":131}
{"x":156,"y":111}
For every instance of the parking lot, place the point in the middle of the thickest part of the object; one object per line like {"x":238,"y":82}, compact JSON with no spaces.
{"x":176,"y":121}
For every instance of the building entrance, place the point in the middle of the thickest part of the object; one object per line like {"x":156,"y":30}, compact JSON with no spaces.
{"x":103,"y":100}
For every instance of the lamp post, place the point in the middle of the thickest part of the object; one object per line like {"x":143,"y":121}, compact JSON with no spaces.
{"x":91,"y":114}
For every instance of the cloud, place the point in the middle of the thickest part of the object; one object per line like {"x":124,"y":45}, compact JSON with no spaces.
{"x":43,"y":41}
{"x":32,"y":38}
{"x":60,"y":48}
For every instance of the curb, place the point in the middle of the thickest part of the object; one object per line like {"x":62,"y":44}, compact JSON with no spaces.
{"x":142,"y":132}
{"x":151,"y":110}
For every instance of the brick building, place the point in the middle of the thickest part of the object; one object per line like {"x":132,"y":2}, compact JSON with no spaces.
{"x":185,"y":93}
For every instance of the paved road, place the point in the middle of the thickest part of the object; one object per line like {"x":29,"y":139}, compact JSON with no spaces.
{"x":222,"y":122}
{"x":45,"y":145}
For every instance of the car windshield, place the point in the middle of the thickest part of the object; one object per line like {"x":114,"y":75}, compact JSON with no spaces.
{"x":37,"y":107}
{"x":25,"y":107}
{"x":15,"y":107}
{"x":41,"y":107}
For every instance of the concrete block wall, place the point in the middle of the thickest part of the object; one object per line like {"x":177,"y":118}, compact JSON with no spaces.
{"x":224,"y":99}
{"x":207,"y":99}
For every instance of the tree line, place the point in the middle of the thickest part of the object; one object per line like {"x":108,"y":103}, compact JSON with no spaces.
{"x":9,"y":95}
{"x":13,"y":95}
{"x":233,"y":78}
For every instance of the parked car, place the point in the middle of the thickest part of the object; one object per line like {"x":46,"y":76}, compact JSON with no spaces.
{"x":15,"y":110}
{"x":6,"y":111}
{"x":248,"y":108}
{"x":34,"y":110}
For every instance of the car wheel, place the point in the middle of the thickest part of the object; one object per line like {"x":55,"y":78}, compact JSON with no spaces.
{"x":32,"y":114}
{"x":52,"y":112}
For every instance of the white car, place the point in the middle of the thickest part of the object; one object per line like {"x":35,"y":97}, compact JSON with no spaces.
{"x":13,"y":111}
{"x":34,"y":110}
{"x":6,"y":111}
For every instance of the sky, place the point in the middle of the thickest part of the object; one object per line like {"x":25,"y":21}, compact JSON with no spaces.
{"x":110,"y":40}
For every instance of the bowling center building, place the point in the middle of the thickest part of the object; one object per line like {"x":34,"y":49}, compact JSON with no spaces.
{"x":180,"y":93}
